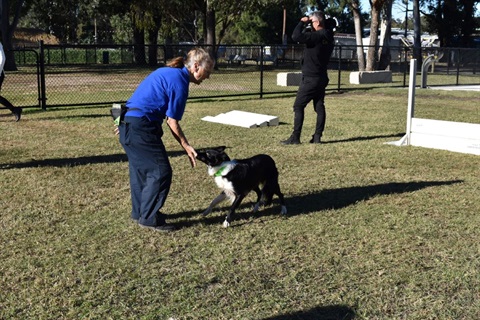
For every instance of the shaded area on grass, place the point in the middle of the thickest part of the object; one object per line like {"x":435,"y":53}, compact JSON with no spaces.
{"x":317,"y":201}
{"x":344,"y":197}
{"x":397,"y":135}
{"x":339,"y":312}
{"x":78,"y":161}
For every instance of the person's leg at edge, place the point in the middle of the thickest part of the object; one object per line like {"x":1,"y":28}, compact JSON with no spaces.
{"x":17,"y":112}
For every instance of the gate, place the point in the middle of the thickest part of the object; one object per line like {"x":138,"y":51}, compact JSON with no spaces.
{"x":25,"y":87}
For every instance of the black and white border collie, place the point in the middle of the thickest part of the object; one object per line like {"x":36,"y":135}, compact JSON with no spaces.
{"x":237,"y":178}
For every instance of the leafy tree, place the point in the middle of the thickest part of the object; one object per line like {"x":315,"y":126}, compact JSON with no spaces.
{"x":7,"y":28}
{"x":453,"y":20}
{"x":120,"y":23}
{"x":264,"y":25}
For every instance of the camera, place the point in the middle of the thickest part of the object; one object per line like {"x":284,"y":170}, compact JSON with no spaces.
{"x":308,"y":27}
{"x":331,"y":23}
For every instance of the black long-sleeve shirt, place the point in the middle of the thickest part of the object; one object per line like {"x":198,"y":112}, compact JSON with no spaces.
{"x":318,"y":49}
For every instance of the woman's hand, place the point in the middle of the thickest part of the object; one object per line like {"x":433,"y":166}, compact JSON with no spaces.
{"x":180,"y":137}
{"x":192,"y":155}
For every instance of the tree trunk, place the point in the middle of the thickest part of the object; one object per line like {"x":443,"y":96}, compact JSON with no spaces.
{"x":385,"y":35}
{"x":355,"y":7}
{"x":168,"y":48}
{"x":138,"y":41}
{"x":372,"y":49}
{"x":210,"y":28}
{"x":153,"y":46}
{"x":139,"y":46}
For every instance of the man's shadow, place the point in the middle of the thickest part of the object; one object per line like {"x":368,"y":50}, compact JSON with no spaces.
{"x":313,"y":202}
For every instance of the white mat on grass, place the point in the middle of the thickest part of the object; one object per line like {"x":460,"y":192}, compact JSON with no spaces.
{"x":244,"y":119}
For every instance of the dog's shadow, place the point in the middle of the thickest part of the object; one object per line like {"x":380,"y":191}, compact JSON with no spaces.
{"x":312,"y":202}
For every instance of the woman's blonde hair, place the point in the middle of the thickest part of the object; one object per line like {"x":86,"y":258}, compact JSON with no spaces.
{"x":198,"y":55}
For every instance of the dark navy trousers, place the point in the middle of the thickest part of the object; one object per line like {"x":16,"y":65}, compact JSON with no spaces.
{"x":149,"y":168}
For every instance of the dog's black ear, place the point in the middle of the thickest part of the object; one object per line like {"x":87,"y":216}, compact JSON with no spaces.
{"x":220,"y":149}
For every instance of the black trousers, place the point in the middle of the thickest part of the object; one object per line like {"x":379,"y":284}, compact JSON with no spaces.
{"x":311,"y":88}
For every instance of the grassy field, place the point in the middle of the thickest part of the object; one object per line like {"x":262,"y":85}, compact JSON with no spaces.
{"x":374,"y":231}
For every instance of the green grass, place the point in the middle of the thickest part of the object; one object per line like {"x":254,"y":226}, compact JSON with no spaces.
{"x":374,"y":231}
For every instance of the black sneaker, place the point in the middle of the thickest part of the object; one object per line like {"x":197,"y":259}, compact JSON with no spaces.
{"x":17,"y":112}
{"x":163,"y":228}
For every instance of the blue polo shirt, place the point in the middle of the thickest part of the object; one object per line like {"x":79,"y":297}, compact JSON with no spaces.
{"x":163,"y":92}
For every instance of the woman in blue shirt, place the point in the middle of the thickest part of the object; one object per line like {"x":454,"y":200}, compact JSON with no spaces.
{"x":162,"y":95}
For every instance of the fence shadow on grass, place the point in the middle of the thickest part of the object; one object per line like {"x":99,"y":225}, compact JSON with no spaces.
{"x":316,"y":201}
{"x":338,"y":312}
{"x":78,"y":161}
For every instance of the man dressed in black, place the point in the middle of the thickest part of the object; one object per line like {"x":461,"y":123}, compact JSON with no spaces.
{"x":319,"y":45}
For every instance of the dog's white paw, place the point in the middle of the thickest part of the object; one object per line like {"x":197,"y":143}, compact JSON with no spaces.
{"x":226,"y":224}
{"x":283,"y":210}
{"x":256,"y":207}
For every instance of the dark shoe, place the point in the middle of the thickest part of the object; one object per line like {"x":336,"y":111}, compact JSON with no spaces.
{"x":163,"y":228}
{"x":17,"y":112}
{"x":316,"y":138}
{"x":294,"y":139}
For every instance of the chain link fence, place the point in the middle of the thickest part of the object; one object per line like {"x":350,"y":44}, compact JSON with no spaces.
{"x":97,"y":75}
